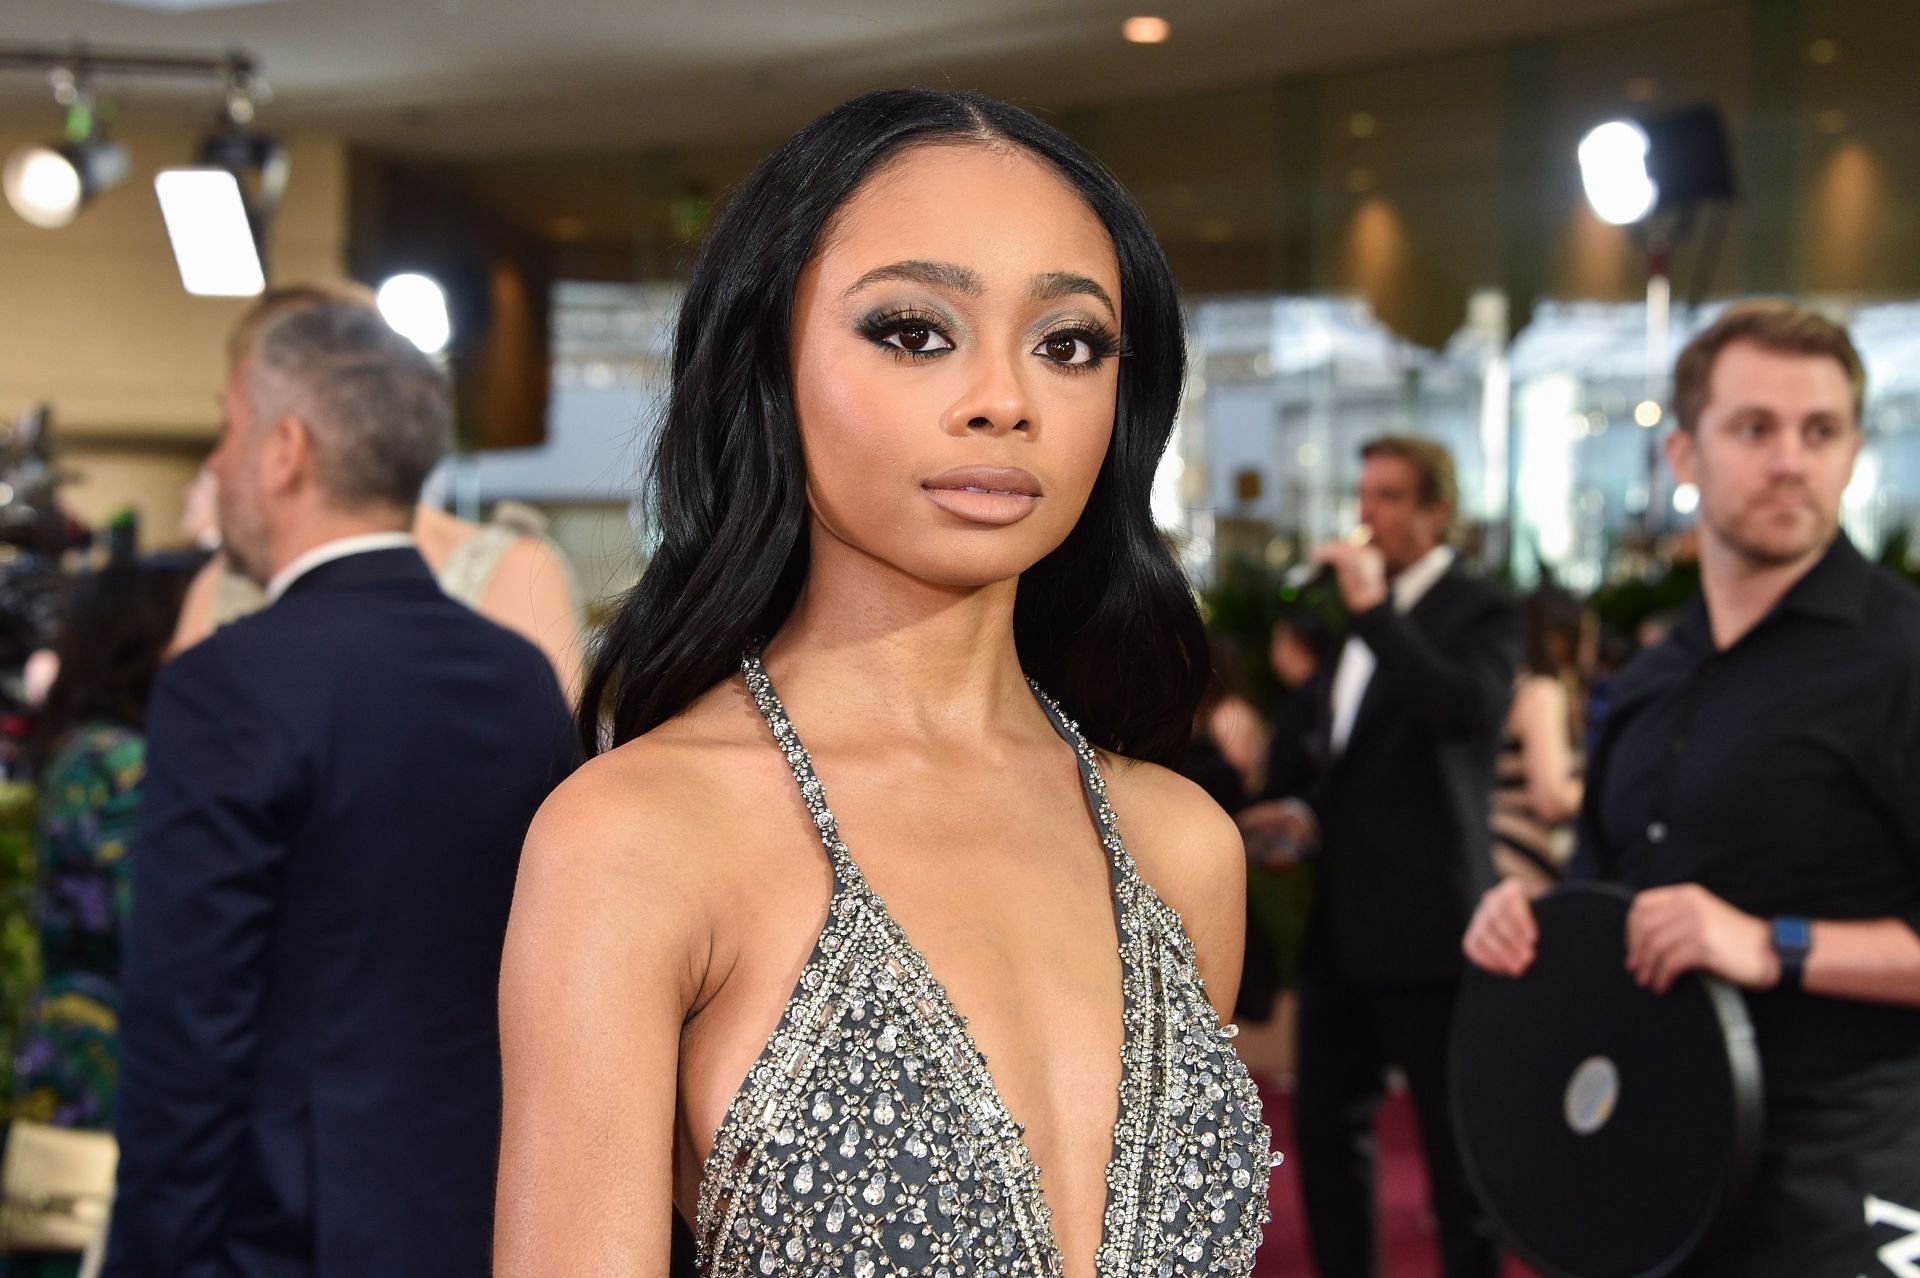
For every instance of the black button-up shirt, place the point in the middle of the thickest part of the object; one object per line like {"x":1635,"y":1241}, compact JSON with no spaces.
{"x":1783,"y":775}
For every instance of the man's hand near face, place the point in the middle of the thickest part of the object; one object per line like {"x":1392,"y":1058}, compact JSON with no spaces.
{"x":1360,"y":570}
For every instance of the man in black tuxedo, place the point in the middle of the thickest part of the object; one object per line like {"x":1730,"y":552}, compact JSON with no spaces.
{"x":1407,"y":736}
{"x":336,"y":795}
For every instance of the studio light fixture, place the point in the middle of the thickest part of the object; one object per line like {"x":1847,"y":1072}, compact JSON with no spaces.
{"x":1653,"y":176}
{"x":211,"y":234}
{"x":416,"y":306}
{"x":1613,"y":168}
{"x":217,"y":210}
{"x":1667,"y":164}
{"x":48,"y":184}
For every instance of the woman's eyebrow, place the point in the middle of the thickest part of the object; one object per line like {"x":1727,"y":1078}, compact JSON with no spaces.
{"x":941,"y":275}
{"x":1054,"y":285}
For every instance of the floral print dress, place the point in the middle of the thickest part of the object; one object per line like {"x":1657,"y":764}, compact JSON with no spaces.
{"x":68,"y":1061}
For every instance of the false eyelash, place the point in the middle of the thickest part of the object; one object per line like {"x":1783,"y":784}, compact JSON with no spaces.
{"x":1102,"y":342}
{"x":883,"y":324}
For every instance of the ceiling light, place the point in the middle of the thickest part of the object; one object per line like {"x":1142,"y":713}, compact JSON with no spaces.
{"x":416,"y":306}
{"x":1146,"y":29}
{"x":212,"y":235}
{"x":49,"y":184}
{"x":1613,"y":168}
{"x":218,"y":210}
{"x":1361,"y":124}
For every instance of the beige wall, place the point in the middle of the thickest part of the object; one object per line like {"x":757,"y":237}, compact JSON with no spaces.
{"x":102,"y":481}
{"x":95,"y":322}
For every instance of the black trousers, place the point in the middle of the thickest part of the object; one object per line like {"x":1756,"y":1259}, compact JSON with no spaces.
{"x":1837,"y":1192}
{"x":1349,"y":1035}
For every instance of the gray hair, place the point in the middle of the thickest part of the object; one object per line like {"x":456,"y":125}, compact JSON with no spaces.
{"x":376,"y":409}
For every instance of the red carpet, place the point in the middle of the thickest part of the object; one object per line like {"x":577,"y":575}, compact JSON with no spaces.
{"x":1406,"y":1239}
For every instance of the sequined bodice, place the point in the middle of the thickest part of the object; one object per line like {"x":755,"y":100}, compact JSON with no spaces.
{"x":869,"y":1139}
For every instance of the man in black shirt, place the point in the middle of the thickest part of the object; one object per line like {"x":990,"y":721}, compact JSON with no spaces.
{"x":1757,"y":781}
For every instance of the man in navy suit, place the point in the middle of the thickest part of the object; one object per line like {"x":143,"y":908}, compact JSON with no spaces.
{"x":336,"y":795}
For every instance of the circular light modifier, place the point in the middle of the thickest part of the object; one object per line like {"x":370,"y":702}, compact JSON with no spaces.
{"x":1613,"y":168}
{"x":416,"y":306}
{"x":1146,"y":29}
{"x":43,"y":186}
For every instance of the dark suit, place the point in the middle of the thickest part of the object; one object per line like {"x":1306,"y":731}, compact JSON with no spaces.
{"x":337,"y":792}
{"x":1404,"y":858}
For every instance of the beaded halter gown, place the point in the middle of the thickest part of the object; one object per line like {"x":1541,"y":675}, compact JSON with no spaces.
{"x":869,"y":1140}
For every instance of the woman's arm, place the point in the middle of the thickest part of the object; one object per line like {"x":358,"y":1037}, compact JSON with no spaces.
{"x":598,"y":974}
{"x":1541,"y":721}
{"x":533,"y":592}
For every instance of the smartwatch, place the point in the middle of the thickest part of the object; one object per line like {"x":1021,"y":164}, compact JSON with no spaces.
{"x":1792,"y":939}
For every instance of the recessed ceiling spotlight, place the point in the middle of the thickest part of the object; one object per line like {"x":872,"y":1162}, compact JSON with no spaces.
{"x":1146,"y":29}
{"x":1823,"y":52}
{"x":1361,"y":124}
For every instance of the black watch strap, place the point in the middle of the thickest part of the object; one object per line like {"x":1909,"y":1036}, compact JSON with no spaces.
{"x":1792,"y":940}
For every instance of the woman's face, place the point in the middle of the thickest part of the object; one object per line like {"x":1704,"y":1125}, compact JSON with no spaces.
{"x":955,"y":343}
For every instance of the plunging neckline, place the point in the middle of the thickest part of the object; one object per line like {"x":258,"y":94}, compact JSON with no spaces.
{"x":970,"y":1062}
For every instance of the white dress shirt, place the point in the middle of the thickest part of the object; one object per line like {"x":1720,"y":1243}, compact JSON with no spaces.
{"x":327,"y":552}
{"x":1357,"y":662}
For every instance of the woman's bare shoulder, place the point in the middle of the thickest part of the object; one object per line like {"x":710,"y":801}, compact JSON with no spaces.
{"x":1190,"y":852}
{"x":637,"y":809}
{"x":1185,"y":845}
{"x":1539,"y":699}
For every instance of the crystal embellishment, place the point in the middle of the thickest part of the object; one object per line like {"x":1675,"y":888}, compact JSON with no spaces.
{"x":941,"y":1181}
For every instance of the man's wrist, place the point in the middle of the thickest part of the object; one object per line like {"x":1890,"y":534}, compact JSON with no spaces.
{"x":1790,"y":941}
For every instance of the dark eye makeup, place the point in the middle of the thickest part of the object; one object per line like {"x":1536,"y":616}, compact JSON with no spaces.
{"x":911,"y":334}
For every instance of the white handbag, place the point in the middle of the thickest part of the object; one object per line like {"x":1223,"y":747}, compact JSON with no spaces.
{"x":56,"y":1187}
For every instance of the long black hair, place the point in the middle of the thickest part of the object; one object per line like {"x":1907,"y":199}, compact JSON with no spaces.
{"x":112,"y":632}
{"x":1105,"y":622}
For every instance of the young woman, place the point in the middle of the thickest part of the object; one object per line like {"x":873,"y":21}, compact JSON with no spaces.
{"x":898,"y":999}
{"x":1537,"y":780}
{"x":89,"y":753}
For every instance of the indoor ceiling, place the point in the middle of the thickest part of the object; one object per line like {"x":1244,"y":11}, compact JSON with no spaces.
{"x":470,"y":78}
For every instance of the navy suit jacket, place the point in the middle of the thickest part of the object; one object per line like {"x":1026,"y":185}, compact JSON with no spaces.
{"x":337,"y":790}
